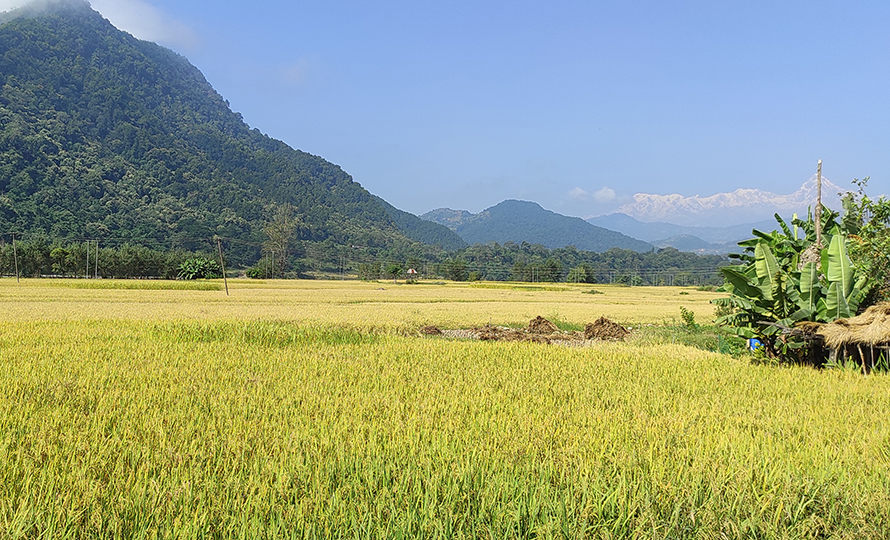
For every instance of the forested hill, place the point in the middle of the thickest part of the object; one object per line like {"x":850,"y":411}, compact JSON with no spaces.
{"x":106,"y":136}
{"x":421,"y":230}
{"x":523,"y":221}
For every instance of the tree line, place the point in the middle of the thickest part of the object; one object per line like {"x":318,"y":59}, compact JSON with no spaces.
{"x":39,"y":255}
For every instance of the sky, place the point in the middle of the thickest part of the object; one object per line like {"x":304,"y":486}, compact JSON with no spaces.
{"x":576,"y":105}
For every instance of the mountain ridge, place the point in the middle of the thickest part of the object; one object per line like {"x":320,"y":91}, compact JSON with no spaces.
{"x":524,"y":221}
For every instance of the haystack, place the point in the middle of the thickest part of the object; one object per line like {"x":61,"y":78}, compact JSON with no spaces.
{"x":603,"y":328}
{"x":540,"y":325}
{"x":872,"y":328}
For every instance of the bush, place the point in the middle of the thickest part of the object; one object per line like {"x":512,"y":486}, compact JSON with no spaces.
{"x":688,"y":317}
{"x":199,"y":268}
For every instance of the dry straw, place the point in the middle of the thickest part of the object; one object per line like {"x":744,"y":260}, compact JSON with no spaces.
{"x":870,"y":328}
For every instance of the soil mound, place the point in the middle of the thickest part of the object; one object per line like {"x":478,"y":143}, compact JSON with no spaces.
{"x":540,"y":325}
{"x":539,"y":330}
{"x":603,"y":328}
{"x":498,"y":333}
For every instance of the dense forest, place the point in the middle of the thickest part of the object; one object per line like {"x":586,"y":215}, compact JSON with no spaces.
{"x":104,"y":136}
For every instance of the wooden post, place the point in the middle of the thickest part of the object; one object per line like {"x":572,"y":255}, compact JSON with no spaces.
{"x":819,"y":205}
{"x":222,"y":263}
{"x":16,"y":256}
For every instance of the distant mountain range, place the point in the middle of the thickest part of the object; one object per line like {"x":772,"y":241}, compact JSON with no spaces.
{"x":523,"y":221}
{"x":725,"y":209}
{"x":697,"y":239}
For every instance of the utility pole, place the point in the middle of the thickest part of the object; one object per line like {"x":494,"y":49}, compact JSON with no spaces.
{"x":96,"y":273}
{"x":222,"y":263}
{"x":87,"y":274}
{"x":15,"y":254}
{"x":819,"y":205}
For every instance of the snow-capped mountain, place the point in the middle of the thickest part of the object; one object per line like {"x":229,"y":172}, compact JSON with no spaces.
{"x":740,"y":206}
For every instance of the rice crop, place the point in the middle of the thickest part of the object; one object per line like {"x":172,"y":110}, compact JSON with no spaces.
{"x":399,"y":307}
{"x":251,"y":427}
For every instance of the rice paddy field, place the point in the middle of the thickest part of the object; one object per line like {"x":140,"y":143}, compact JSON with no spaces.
{"x":314,"y":409}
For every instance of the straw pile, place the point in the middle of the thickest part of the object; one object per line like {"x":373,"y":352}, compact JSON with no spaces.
{"x":870,"y":328}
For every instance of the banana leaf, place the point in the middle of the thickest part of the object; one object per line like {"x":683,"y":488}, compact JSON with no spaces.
{"x":765,"y":263}
{"x":741,"y":282}
{"x":766,"y":268}
{"x":836,"y":306}
{"x":786,"y":297}
{"x":803,"y":314}
{"x":769,"y":237}
{"x":809,"y":286}
{"x":840,"y":268}
{"x":784,"y":226}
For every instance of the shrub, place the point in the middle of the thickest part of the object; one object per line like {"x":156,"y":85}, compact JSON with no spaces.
{"x":199,"y":268}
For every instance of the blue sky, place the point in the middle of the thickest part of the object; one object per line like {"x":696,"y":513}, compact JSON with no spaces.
{"x":574,"y":105}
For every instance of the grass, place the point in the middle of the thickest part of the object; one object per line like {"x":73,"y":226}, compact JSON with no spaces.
{"x":248,"y":424}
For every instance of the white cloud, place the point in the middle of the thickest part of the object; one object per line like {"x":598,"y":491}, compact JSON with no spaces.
{"x":6,"y":5}
{"x":147,"y":22}
{"x":604,"y":195}
{"x":137,"y":17}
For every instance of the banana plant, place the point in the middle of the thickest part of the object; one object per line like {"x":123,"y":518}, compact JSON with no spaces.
{"x":773,"y":291}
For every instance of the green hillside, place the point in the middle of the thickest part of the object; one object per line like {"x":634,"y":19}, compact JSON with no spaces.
{"x":108,"y":137}
{"x":421,"y":230}
{"x":523,"y":221}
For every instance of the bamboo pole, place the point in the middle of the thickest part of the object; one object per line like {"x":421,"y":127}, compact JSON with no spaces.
{"x":15,"y":255}
{"x":819,"y":204}
{"x":222,"y":264}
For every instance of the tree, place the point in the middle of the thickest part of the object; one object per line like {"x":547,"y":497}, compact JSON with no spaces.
{"x":394,"y":270}
{"x":280,"y":232}
{"x":868,"y":223}
{"x":577,"y":274}
{"x":455,"y":270}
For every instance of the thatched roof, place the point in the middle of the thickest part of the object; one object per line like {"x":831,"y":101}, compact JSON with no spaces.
{"x":870,"y":328}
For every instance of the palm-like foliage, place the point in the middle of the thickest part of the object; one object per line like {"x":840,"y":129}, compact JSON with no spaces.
{"x":786,"y":279}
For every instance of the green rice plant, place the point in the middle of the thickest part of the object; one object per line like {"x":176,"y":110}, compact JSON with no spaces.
{"x":263,"y":333}
{"x":132,"y":285}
